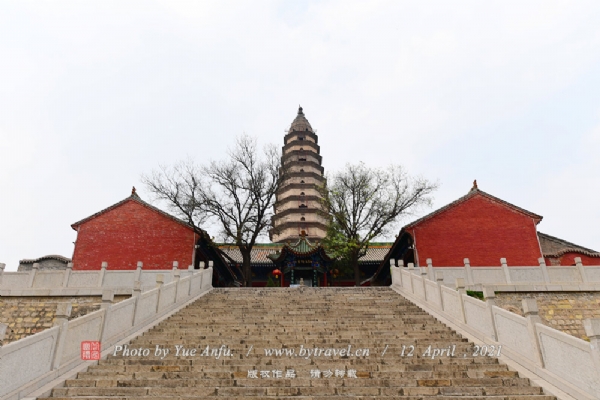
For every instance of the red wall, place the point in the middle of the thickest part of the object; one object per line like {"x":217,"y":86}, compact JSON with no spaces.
{"x":478,"y":229}
{"x":131,"y":233}
{"x":569,"y":259}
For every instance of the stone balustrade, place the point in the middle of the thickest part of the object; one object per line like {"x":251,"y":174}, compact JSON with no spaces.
{"x":509,"y":278}
{"x":570,"y":363}
{"x":83,"y":283}
{"x":30,"y":363}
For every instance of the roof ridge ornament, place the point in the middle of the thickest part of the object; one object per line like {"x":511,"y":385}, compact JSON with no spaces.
{"x":475,"y":185}
{"x":134,"y":193}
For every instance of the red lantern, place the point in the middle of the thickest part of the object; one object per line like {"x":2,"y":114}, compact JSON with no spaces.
{"x":276,"y":273}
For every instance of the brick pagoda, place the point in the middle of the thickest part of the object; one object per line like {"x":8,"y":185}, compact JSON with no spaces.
{"x":297,"y":209}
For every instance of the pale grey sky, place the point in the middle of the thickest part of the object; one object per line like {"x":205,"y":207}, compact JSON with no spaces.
{"x":95,"y":93}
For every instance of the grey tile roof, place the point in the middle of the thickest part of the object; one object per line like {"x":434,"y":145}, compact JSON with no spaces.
{"x":48,"y":257}
{"x":555,"y":247}
{"x":375,"y":254}
{"x":472,"y":193}
{"x":258,"y":255}
{"x":134,"y":197}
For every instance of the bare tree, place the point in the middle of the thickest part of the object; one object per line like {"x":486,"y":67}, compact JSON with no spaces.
{"x":365,"y":203}
{"x":237,"y":193}
{"x":179,"y":187}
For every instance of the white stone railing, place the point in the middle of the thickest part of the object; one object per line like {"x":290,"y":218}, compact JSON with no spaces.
{"x":571,"y":278}
{"x":568,"y":363}
{"x":83,"y":283}
{"x":32,"y":362}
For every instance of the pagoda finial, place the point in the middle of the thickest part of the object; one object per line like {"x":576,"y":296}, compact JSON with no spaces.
{"x":133,"y":191}
{"x":300,"y":110}
{"x":474,"y":185}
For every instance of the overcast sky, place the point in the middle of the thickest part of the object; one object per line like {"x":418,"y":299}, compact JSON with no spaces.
{"x":94,"y":94}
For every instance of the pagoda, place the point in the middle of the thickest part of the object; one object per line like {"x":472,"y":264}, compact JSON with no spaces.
{"x":297,"y":210}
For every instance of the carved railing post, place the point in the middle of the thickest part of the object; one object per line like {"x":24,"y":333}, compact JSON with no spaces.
{"x":2,"y":266}
{"x":439,"y":278}
{"x":581,"y":269}
{"x":490,"y":300}
{"x":160,"y":280}
{"x":393,"y":275}
{"x":136,"y":293}
{"x":505,"y":270}
{"x":61,"y":319}
{"x":137,"y":289}
{"x":399,"y":272}
{"x":191,"y":284}
{"x":424,"y":281}
{"x":102,"y":272}
{"x":411,"y":269}
{"x":207,"y":278}
{"x":176,"y":278}
{"x":137,"y":276}
{"x":468,"y":272}
{"x":32,"y":273}
{"x":108,"y":297}
{"x":530,"y":309}
{"x":67,"y":275}
{"x":544,"y":269}
{"x":430,"y":269}
{"x":460,"y":288}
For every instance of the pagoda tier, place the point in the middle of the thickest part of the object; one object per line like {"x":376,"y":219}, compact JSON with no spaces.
{"x":298,"y":201}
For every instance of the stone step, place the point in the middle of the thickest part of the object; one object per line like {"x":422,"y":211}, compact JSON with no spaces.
{"x":346,"y":396}
{"x":448,"y":364}
{"x":209,"y":374}
{"x":180,"y":381}
{"x":299,"y":388}
{"x":368,"y":318}
{"x":420,"y":346}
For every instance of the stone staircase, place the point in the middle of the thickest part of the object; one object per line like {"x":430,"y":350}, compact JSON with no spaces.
{"x":248,"y":321}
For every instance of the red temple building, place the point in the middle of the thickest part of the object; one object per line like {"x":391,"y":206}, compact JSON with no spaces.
{"x":131,"y":231}
{"x":484,"y":229}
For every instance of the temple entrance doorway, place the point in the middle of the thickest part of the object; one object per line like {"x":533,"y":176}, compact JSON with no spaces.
{"x":303,"y":261}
